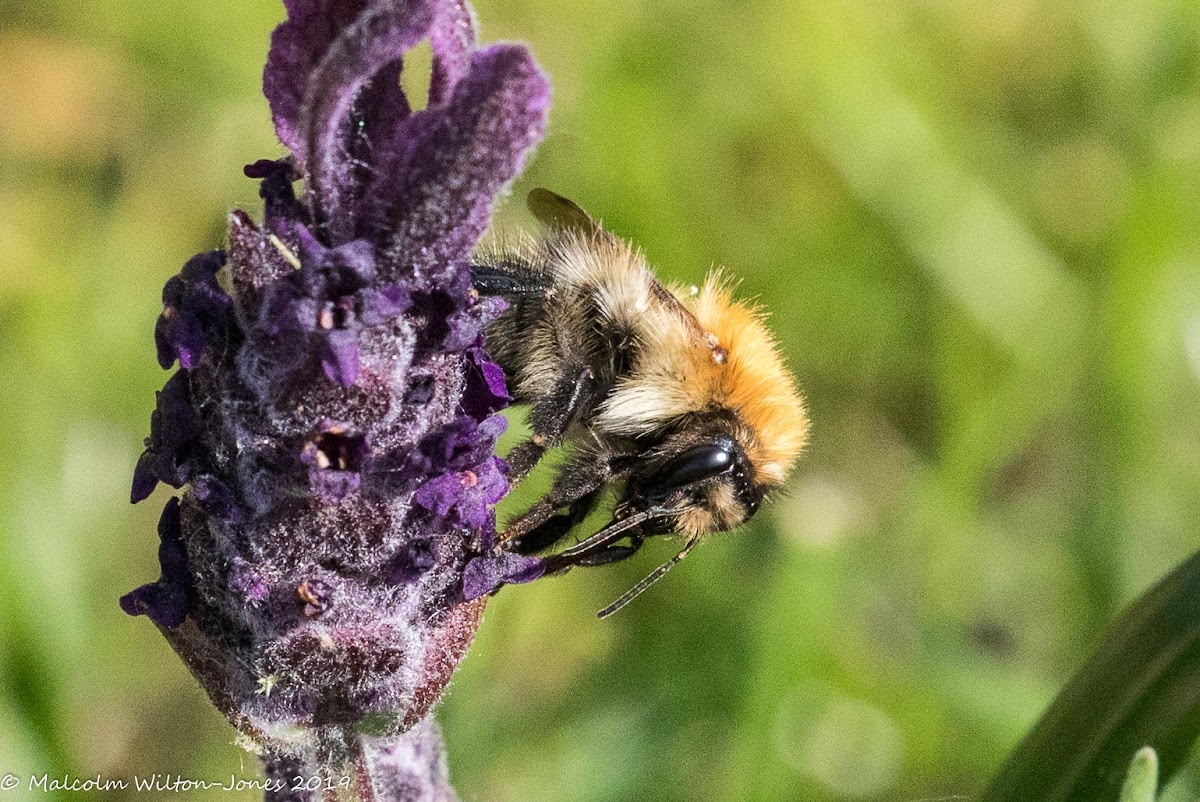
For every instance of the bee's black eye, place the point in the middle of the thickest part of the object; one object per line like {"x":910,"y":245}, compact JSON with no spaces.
{"x":695,"y":465}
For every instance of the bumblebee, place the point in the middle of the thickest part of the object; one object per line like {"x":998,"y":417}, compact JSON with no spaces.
{"x":677,"y":399}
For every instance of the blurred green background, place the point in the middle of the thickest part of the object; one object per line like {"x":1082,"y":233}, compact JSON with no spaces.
{"x":976,"y":226}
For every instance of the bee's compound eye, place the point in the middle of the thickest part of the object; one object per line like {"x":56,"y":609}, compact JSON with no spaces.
{"x":695,"y":465}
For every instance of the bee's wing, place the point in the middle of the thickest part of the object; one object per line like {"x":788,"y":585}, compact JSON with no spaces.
{"x":564,"y":214}
{"x":556,"y":211}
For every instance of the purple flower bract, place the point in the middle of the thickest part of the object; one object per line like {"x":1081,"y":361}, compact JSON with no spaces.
{"x":331,"y":418}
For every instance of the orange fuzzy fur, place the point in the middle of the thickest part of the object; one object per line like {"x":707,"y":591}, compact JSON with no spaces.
{"x":678,"y":374}
{"x":753,"y":382}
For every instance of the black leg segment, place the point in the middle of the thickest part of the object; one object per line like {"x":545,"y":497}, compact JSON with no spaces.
{"x":569,"y":401}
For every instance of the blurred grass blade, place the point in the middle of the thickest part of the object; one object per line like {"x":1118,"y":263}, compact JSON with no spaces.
{"x":1141,"y":687}
{"x":1141,"y":784}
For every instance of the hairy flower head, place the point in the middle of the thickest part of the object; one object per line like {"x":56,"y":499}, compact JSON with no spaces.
{"x":332,"y":422}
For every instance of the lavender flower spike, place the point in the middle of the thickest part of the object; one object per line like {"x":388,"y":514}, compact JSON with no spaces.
{"x":332,"y":420}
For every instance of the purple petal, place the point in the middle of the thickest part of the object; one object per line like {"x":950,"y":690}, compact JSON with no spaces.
{"x":382,"y":109}
{"x":487,"y":573}
{"x":139,"y":600}
{"x":144,"y":478}
{"x":518,"y":569}
{"x":178,"y":335}
{"x":196,"y":311}
{"x":432,"y":203}
{"x":377,"y":38}
{"x":490,"y":307}
{"x":332,"y":272}
{"x":453,"y":39}
{"x":262,"y":168}
{"x":487,"y":488}
{"x":339,"y":357}
{"x":467,"y":494}
{"x":379,"y":112}
{"x":464,"y":328}
{"x":485,"y":391}
{"x":297,"y":46}
{"x":178,"y":424}
{"x":357,"y":257}
{"x":487,"y":534}
{"x":472,"y":510}
{"x":166,"y":605}
{"x":491,"y":428}
{"x":458,"y":445}
{"x":174,"y":561}
{"x":384,"y":304}
{"x":172,"y":556}
{"x":480,"y":577}
{"x":174,"y":429}
{"x":312,"y":252}
{"x":199,"y":274}
{"x":165,"y":601}
{"x":441,"y":494}
{"x":493,"y":481}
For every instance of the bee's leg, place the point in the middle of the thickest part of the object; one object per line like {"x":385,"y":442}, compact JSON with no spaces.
{"x":544,"y":510}
{"x":508,"y":278}
{"x":606,"y":555}
{"x":576,"y":487}
{"x":541,"y":537}
{"x":568,"y":401}
{"x":609,"y":554}
{"x":553,"y":529}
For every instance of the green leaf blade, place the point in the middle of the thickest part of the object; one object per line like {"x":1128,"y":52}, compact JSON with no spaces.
{"x":1141,"y":687}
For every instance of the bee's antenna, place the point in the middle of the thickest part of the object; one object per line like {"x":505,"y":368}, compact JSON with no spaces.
{"x":654,"y":576}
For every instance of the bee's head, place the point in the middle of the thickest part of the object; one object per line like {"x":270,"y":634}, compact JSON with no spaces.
{"x":698,"y":480}
{"x":701,"y":480}
{"x":733,"y":420}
